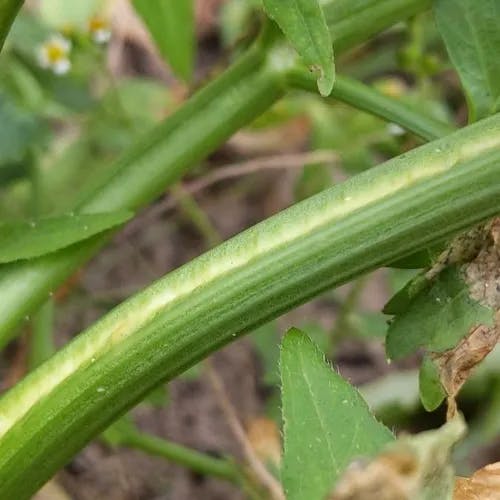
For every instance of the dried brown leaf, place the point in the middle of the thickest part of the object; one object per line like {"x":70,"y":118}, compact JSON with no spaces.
{"x":52,"y":491}
{"x":392,"y":476}
{"x":483,"y":273}
{"x":483,"y":278}
{"x":484,"y":484}
{"x":264,"y":436}
{"x":411,"y":468}
{"x":456,"y":365}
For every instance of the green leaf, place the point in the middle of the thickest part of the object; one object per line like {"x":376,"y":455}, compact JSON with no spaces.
{"x":171,"y":24}
{"x":27,"y":240}
{"x":470,"y":29}
{"x":326,"y":422}
{"x":402,"y":299}
{"x":437,"y":318}
{"x":431,"y":391}
{"x":304,"y":24}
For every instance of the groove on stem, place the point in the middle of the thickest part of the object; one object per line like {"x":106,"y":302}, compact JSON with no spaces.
{"x":382,"y":214}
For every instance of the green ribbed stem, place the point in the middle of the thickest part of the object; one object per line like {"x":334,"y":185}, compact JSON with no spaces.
{"x":204,"y":123}
{"x":382,"y":214}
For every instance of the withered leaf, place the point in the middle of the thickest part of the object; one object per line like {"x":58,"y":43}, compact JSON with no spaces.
{"x":456,"y":364}
{"x":484,"y":484}
{"x":264,"y":437}
{"x":460,"y":292}
{"x":412,"y":468}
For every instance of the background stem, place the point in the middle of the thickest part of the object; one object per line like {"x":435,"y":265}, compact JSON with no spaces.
{"x":181,"y":455}
{"x":367,"y":99}
{"x":41,"y":342}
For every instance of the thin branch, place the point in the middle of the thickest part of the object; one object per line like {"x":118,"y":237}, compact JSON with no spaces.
{"x":187,"y":457}
{"x":240,"y":169}
{"x":366,"y":98}
{"x":257,"y":467}
{"x":197,"y":216}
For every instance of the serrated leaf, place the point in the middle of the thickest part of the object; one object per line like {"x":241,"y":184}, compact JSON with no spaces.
{"x":27,"y":240}
{"x":304,"y":24}
{"x":437,"y":318}
{"x":326,"y":422}
{"x":431,"y":391}
{"x":171,"y":24}
{"x":470,"y":31}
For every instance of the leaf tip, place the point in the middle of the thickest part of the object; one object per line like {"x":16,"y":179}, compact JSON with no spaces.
{"x":294,"y":336}
{"x":325,"y":79}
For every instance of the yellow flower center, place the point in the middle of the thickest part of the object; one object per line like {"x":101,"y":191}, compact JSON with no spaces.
{"x":55,"y":52}
{"x":97,"y":23}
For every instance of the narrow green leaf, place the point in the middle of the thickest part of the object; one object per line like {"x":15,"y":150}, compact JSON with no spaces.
{"x":326,"y":422}
{"x":470,"y":29}
{"x":431,"y":391}
{"x":171,"y":24}
{"x":8,"y":11}
{"x":26,"y":240}
{"x":437,"y":318}
{"x":304,"y":24}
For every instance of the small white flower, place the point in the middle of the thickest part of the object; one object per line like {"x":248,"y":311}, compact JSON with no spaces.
{"x":99,"y":29}
{"x":53,"y":54}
